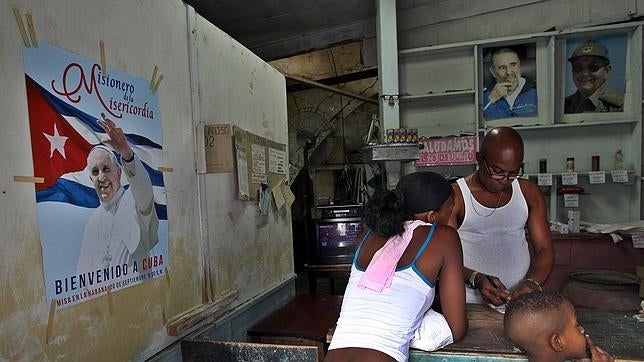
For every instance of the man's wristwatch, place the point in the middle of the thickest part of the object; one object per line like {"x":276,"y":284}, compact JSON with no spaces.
{"x":472,"y":280}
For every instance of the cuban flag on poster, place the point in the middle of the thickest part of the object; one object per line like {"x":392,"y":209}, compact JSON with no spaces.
{"x":67,"y":94}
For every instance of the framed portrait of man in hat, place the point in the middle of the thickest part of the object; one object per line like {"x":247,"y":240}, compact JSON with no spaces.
{"x":595,"y":74}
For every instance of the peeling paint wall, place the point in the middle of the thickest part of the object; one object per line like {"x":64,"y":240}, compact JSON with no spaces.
{"x":249,"y":252}
{"x":243,"y":251}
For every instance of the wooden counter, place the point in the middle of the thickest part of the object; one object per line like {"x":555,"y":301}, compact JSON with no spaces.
{"x":484,"y":336}
{"x":617,"y":332}
{"x":309,"y":320}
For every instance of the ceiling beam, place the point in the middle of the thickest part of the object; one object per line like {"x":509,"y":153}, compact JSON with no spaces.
{"x":369,"y":72}
{"x":331,"y":89}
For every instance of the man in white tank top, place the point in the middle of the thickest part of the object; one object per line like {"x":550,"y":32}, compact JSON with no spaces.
{"x":492,"y":207}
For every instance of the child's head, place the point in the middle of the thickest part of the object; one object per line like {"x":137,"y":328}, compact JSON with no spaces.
{"x":422,"y":195}
{"x":545,"y":326}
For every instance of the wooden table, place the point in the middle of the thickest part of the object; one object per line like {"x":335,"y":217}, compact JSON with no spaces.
{"x":305,"y":320}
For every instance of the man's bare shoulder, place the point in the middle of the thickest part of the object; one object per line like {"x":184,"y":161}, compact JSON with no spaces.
{"x":448,"y":237}
{"x":456,"y":187}
{"x":459,"y":207}
{"x":530,"y":189}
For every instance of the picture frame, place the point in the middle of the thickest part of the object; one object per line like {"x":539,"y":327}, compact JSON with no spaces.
{"x":608,"y":86}
{"x":504,"y":97}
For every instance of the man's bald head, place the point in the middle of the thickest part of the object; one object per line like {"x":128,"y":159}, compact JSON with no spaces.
{"x":504,"y":143}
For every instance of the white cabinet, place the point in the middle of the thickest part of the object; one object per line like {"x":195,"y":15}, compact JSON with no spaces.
{"x":441,"y":94}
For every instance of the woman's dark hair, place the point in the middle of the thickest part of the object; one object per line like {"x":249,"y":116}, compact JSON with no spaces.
{"x":415,"y":193}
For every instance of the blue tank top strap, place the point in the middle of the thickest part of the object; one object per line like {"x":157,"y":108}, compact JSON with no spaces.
{"x":425,"y":243}
{"x":355,"y":256}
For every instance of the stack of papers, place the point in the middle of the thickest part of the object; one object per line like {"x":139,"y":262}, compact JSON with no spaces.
{"x":635,"y":228}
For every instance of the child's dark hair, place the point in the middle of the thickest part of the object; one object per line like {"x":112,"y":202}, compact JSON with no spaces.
{"x":530,"y":303}
{"x":415,"y":193}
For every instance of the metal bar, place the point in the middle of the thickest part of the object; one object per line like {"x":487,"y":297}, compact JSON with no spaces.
{"x":331,"y":89}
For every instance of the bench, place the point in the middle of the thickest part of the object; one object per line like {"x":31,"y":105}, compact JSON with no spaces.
{"x":304,"y":321}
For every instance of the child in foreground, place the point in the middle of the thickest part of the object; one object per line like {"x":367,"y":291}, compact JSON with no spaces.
{"x":405,"y":250}
{"x":545,"y":325}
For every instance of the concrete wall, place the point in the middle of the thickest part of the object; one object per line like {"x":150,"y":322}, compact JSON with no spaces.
{"x":434,"y":22}
{"x":216,"y":243}
{"x":444,"y":22}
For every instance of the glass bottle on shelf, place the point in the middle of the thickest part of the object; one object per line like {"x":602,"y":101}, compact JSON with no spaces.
{"x":570,"y":164}
{"x":619,"y":160}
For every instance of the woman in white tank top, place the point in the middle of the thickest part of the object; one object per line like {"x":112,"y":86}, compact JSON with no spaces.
{"x":404,"y":252}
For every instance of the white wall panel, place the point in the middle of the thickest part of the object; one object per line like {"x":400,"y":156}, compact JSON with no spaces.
{"x":234,"y":86}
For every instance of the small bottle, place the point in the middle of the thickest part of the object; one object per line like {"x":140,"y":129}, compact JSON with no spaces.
{"x":390,"y":135}
{"x":619,"y":160}
{"x":397,"y":134}
{"x":570,"y":164}
{"x":595,"y":163}
{"x":543,"y":165}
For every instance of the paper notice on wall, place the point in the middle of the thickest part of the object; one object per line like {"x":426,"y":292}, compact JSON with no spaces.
{"x":259,"y":178}
{"x":278,"y":196}
{"x":569,"y":178}
{"x":619,"y":175}
{"x":288,"y":195}
{"x":276,"y":160}
{"x":597,"y":177}
{"x":544,"y":179}
{"x":571,"y":200}
{"x":242,"y":170}
{"x":638,"y":241}
{"x":258,"y":155}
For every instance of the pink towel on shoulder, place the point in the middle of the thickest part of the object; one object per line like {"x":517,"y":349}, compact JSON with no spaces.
{"x":380,"y":271}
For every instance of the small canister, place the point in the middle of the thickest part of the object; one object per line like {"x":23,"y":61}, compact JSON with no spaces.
{"x":390,"y":135}
{"x":595,"y":163}
{"x":410,"y":135}
{"x":570,"y":164}
{"x":414,"y":135}
{"x":543,"y":165}
{"x":397,"y":134}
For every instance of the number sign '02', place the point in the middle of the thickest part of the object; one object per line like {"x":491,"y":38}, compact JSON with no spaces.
{"x":217,"y":150}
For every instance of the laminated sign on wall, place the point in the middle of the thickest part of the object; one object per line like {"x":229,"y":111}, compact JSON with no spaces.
{"x":447,"y":151}
{"x":96,"y":140}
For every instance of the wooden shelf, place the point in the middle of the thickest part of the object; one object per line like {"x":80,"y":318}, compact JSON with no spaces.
{"x":579,"y":173}
{"x":568,"y":125}
{"x":457,"y":93}
{"x":550,"y":134}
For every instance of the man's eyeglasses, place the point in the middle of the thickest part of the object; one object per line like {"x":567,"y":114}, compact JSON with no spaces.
{"x":502,"y":175}
{"x":592,"y":67}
